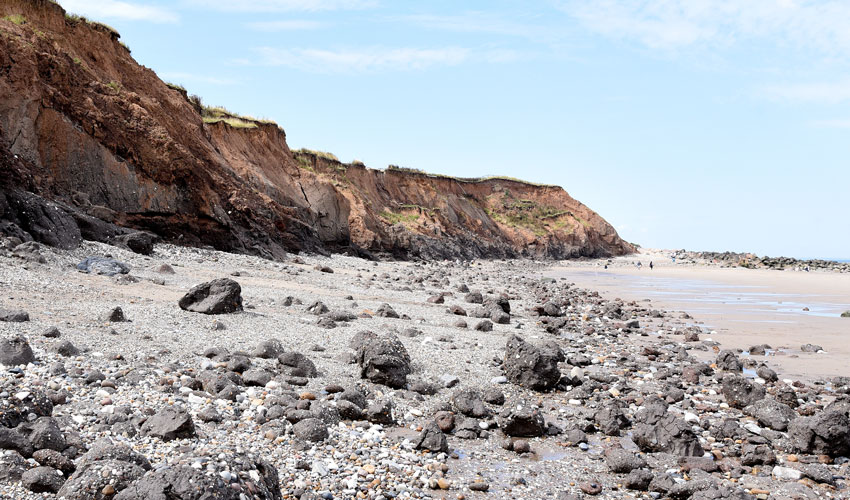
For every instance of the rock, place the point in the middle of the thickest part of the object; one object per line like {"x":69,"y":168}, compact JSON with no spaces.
{"x":590,"y":487}
{"x":12,"y":466}
{"x":55,"y":460}
{"x":469,"y":402}
{"x":348,"y":410}
{"x":845,"y":314}
{"x":46,"y":435}
{"x":380,"y":412}
{"x":103,"y":265}
{"x":622,"y":461}
{"x":170,"y":423}
{"x":384,"y":360}
{"x":310,"y":430}
{"x":760,"y":454}
{"x":811,"y":348}
{"x":638,"y":480}
{"x":90,"y":482}
{"x":818,"y":472}
{"x":610,"y":419}
{"x":533,"y":367}
{"x":256,"y":377}
{"x":115,"y":315}
{"x":386,"y":311}
{"x":474,"y":298}
{"x":268,"y":349}
{"x":51,"y":333}
{"x":164,"y":269}
{"x":521,"y":446}
{"x":457,"y":311}
{"x":15,"y":351}
{"x":484,"y":326}
{"x":449,"y":381}
{"x":494,"y":396}
{"x":138,"y":242}
{"x":729,"y":361}
{"x":445,"y":420}
{"x":656,"y":430}
{"x":219,"y":296}
{"x":827,"y":433}
{"x":521,"y":420}
{"x":740,"y":391}
{"x":183,"y":482}
{"x":759,"y":350}
{"x":479,"y":486}
{"x":66,"y":348}
{"x":16,"y":408}
{"x":771,"y":413}
{"x":297,"y":365}
{"x":14,"y":316}
{"x":317,"y":308}
{"x":767,"y":373}
{"x":432,"y":439}
{"x":42,"y":480}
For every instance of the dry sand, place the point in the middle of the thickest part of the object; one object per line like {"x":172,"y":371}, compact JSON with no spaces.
{"x":745,"y":307}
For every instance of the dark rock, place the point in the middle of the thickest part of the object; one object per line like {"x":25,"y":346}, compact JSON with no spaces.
{"x":622,"y":461}
{"x":386,"y":311}
{"x":474,"y":298}
{"x":818,"y":472}
{"x":12,"y":439}
{"x":104,"y":449}
{"x":52,"y":333}
{"x":533,"y":367}
{"x":317,"y":308}
{"x":827,"y":433}
{"x":445,"y":420}
{"x":170,"y":423}
{"x":484,"y":326}
{"x":297,"y":365}
{"x":638,"y":480}
{"x":740,"y":391}
{"x":432,"y":439}
{"x":219,"y":296}
{"x":46,"y":434}
{"x":268,"y":349}
{"x":811,"y":348}
{"x":12,"y":466}
{"x":469,"y":402}
{"x":14,"y":410}
{"x":15,"y":351}
{"x":14,"y":316}
{"x":729,"y":361}
{"x":90,"y":482}
{"x":348,"y":410}
{"x":521,"y":420}
{"x":103,"y":265}
{"x":380,"y":412}
{"x":187,"y":483}
{"x":42,"y":480}
{"x":767,"y":373}
{"x":138,"y":242}
{"x":66,"y":348}
{"x":354,"y":396}
{"x":760,"y":454}
{"x":610,"y":419}
{"x":384,"y":360}
{"x":771,"y":413}
{"x":310,"y":430}
{"x":115,"y":315}
{"x":494,"y":396}
{"x":656,"y":430}
{"x":256,"y":377}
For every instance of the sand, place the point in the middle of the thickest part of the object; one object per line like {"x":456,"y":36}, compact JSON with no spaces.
{"x":741,"y":307}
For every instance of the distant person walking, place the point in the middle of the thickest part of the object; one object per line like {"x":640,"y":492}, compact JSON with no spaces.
{"x":639,"y":265}
{"x":650,"y":265}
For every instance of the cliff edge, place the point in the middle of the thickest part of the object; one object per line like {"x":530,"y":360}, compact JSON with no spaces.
{"x":92,"y":143}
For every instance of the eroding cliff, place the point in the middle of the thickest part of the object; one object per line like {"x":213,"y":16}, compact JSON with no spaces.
{"x":92,"y":142}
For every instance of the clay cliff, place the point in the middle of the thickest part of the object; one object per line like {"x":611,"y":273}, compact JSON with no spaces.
{"x":93,"y":145}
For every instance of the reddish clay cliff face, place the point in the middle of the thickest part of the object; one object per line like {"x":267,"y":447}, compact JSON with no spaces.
{"x":92,"y":142}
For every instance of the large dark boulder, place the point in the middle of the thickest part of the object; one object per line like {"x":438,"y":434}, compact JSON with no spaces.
{"x":432,"y":438}
{"x":741,"y":392}
{"x":729,"y":361}
{"x":42,"y":480}
{"x":521,"y":419}
{"x":219,"y":296}
{"x":249,"y":478}
{"x":15,"y":351}
{"x":297,"y":364}
{"x":138,"y":242}
{"x":90,"y":482}
{"x":384,"y":360}
{"x":657,"y":430}
{"x":771,"y":413}
{"x":530,"y":366}
{"x":22,"y":402}
{"x":827,"y":433}
{"x":170,"y":423}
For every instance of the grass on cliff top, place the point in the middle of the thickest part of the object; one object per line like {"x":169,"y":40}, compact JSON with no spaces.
{"x":216,"y":114}
{"x":320,"y":154}
{"x":396,"y":168}
{"x":15,"y":18}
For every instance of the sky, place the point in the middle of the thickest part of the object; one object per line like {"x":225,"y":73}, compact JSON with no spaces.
{"x":697,"y":124}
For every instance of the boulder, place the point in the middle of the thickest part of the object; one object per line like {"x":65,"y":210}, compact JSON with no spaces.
{"x":432,"y":439}
{"x":310,"y":430}
{"x":533,"y":367}
{"x":520,"y":419}
{"x":827,"y":433}
{"x":15,"y":351}
{"x":100,"y":480}
{"x":740,"y":391}
{"x":103,"y":265}
{"x":138,"y":242}
{"x":14,"y":316}
{"x":170,"y":423}
{"x":657,"y":430}
{"x":384,"y":360}
{"x":621,"y":461}
{"x":297,"y":365}
{"x":470,"y":403}
{"x":729,"y":361}
{"x":219,"y":296}
{"x":42,"y":480}
{"x":771,"y":413}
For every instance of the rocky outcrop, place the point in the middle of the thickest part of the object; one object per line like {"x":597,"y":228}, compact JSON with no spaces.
{"x":95,"y":146}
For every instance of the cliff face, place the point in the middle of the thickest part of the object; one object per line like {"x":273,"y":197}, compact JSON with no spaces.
{"x":89,"y":138}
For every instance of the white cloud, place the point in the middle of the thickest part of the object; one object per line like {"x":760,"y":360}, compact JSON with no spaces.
{"x":287,"y":25}
{"x":823,"y":25}
{"x":478,"y":22}
{"x":179,"y":77}
{"x":376,"y":58}
{"x":283,"y":5}
{"x":114,"y":9}
{"x":817,"y":92}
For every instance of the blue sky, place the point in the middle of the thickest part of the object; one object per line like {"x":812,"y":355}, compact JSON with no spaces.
{"x":699,"y":124}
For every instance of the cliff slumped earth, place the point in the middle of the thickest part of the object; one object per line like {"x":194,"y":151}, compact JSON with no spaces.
{"x":92,"y":143}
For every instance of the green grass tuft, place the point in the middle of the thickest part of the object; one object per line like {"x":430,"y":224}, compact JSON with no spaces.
{"x":394,"y":218}
{"x":16,"y":18}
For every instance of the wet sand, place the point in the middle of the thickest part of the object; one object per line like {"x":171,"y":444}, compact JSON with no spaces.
{"x":741,"y":307}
